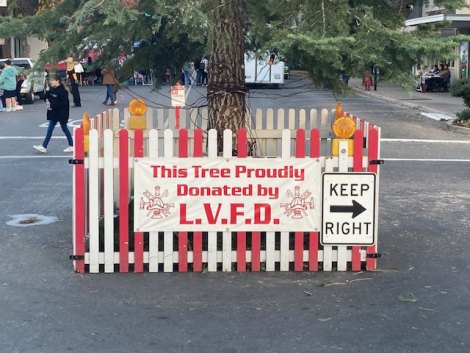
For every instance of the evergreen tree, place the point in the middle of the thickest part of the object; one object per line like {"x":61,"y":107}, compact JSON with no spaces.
{"x":325,"y":37}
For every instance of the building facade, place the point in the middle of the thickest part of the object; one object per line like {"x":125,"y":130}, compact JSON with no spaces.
{"x":457,"y":22}
{"x":29,"y":47}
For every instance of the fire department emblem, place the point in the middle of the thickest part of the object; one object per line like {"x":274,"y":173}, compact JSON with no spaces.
{"x":298,"y":206}
{"x":154,"y":203}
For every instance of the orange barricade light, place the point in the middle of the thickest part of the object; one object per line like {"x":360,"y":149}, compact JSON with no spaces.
{"x":137,"y":120}
{"x":343,"y":128}
{"x":86,"y":131}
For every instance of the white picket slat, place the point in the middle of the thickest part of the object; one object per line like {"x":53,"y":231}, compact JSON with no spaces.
{"x":328,"y":249}
{"x":291,"y":124}
{"x":205,"y":119}
{"x":302,"y":119}
{"x":343,"y":161}
{"x":280,"y":119}
{"x":212,"y":236}
{"x":153,"y":236}
{"x":284,"y":249}
{"x":108,"y":202}
{"x":324,"y":119}
{"x":227,"y":236}
{"x":269,"y":119}
{"x":270,"y":251}
{"x":227,"y":251}
{"x":93,"y":217}
{"x":313,"y":123}
{"x":168,"y":236}
{"x":259,"y":119}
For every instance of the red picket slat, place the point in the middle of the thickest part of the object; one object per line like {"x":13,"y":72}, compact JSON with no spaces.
{"x":183,"y":144}
{"x":198,"y":142}
{"x":241,"y":252}
{"x":123,"y":201}
{"x":255,"y":251}
{"x":197,"y":252}
{"x":197,"y":236}
{"x":300,"y":143}
{"x":313,"y":251}
{"x":314,"y":143}
{"x":313,"y":236}
{"x":138,"y":236}
{"x":183,"y":236}
{"x":357,"y":167}
{"x":371,"y":263}
{"x":79,"y":170}
{"x":183,"y":251}
{"x":242,"y":143}
{"x":299,"y":236}
{"x":241,"y":236}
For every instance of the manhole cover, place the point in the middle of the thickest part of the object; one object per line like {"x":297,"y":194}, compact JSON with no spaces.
{"x":27,"y":220}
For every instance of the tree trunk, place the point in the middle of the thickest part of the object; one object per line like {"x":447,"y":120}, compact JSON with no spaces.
{"x":226,"y":86}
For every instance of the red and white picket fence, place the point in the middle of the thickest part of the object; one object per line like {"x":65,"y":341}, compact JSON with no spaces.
{"x":102,"y":192}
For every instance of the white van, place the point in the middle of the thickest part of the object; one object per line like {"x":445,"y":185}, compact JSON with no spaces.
{"x":263,"y":70}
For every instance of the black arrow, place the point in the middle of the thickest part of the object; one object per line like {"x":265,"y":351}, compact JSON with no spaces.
{"x":356,"y":209}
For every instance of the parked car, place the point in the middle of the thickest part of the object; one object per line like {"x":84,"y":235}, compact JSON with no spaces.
{"x":35,"y":82}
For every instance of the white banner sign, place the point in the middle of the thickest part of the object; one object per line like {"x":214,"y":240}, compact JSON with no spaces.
{"x":203,"y":194}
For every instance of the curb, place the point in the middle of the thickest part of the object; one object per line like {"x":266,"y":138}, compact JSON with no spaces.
{"x":360,"y":91}
{"x":457,"y":129}
{"x":448,"y":124}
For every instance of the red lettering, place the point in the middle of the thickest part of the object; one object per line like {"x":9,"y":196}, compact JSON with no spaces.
{"x":183,"y":219}
{"x":210,"y":216}
{"x":234,"y":212}
{"x":264,"y":218}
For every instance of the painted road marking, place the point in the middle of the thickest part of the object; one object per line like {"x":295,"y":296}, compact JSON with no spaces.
{"x":425,"y":141}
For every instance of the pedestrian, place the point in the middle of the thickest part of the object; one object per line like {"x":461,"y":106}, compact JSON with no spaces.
{"x":199,"y":71}
{"x":204,"y":66}
{"x":109,"y":80}
{"x":57,"y":112}
{"x":187,"y":73}
{"x":367,"y":80}
{"x":8,"y":84}
{"x":19,"y":83}
{"x":167,"y":75}
{"x":73,"y":79}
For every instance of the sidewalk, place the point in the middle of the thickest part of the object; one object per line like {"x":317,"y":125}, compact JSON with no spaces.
{"x":438,"y":106}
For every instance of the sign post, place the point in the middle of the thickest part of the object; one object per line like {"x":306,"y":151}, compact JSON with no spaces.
{"x":349,"y":209}
{"x":178,"y":100}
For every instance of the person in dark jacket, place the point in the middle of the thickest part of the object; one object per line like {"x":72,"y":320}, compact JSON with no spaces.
{"x":57,"y":112}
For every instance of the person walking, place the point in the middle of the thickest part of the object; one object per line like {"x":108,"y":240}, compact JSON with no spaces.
{"x":8,"y":84}
{"x":19,"y":83}
{"x":57,"y":112}
{"x":73,"y":79}
{"x":204,"y":67}
{"x":109,"y":80}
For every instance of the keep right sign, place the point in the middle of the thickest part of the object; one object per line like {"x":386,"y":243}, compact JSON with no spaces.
{"x":348,"y":212}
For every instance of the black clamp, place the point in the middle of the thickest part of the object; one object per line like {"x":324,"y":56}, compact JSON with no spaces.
{"x":77,"y":257}
{"x":76,"y":161}
{"x":373,"y":255}
{"x":376,"y":162}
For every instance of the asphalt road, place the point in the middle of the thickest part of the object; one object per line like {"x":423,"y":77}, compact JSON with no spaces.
{"x":418,"y":301}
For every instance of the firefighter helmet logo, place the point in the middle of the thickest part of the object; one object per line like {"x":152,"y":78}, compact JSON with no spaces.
{"x":298,"y":206}
{"x":154,"y":204}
